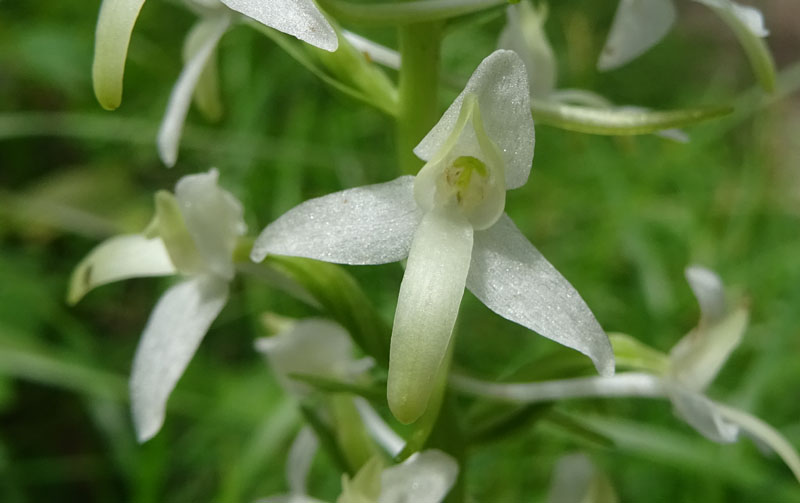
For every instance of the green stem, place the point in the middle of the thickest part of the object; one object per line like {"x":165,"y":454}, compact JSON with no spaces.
{"x":405,"y":12}
{"x":418,"y":89}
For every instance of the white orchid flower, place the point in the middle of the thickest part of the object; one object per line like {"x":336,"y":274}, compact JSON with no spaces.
{"x":449,"y":222}
{"x":688,"y":370}
{"x":524,"y":34}
{"x":638,"y":25}
{"x":577,"y":480}
{"x":425,"y":477}
{"x":194,"y":234}
{"x":300,"y":18}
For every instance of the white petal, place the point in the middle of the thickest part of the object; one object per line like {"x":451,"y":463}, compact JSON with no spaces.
{"x":426,"y":477}
{"x":176,"y":326}
{"x":697,"y":359}
{"x":373,"y":224}
{"x":764,"y":433}
{"x":378,"y":429}
{"x":121,"y":257}
{"x":114,"y":27}
{"x":750,"y":17}
{"x":514,"y":280}
{"x":571,"y":478}
{"x":312,"y":346}
{"x":430,"y":296}
{"x":709,"y":292}
{"x":207,"y":97}
{"x":703,"y":415}
{"x":169,"y":134}
{"x":376,"y":52}
{"x":638,"y":25}
{"x":299,"y":18}
{"x":524,"y":34}
{"x":213,"y":218}
{"x":501,"y":84}
{"x":301,"y":455}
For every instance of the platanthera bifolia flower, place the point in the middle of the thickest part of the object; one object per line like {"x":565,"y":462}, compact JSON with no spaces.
{"x":300,"y":18}
{"x":193,"y":234}
{"x":640,"y":24}
{"x":682,"y":377}
{"x":449,"y":222}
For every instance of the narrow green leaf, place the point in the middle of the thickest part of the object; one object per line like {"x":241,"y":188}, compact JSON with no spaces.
{"x":327,"y":439}
{"x":578,"y":429}
{"x":327,"y":385}
{"x":619,"y":121}
{"x":509,"y":422}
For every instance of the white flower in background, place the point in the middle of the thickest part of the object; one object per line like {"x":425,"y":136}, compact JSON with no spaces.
{"x":193,"y":234}
{"x":524,"y":34}
{"x":449,"y":222}
{"x":688,"y":370}
{"x":577,"y":480}
{"x":300,"y":18}
{"x":640,"y":24}
{"x":425,"y":477}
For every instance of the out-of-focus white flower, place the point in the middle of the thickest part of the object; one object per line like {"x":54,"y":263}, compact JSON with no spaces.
{"x":449,"y":222}
{"x":193,"y":234}
{"x":640,"y":24}
{"x":691,"y":366}
{"x":300,"y":18}
{"x":577,"y":480}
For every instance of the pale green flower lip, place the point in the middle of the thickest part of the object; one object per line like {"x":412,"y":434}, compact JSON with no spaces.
{"x":449,"y":223}
{"x":194,"y":234}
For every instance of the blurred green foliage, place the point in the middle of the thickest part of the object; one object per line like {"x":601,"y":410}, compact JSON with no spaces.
{"x":619,"y":217}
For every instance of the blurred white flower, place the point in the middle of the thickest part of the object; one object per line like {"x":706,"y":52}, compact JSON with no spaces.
{"x":300,"y":18}
{"x":691,"y":366}
{"x":193,"y":234}
{"x":640,"y":24}
{"x":577,"y":480}
{"x":449,"y":222}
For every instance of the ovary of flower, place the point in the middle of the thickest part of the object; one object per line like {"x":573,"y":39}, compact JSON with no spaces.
{"x":193,"y":234}
{"x":449,"y":222}
{"x":115,"y":23}
{"x":691,"y":366}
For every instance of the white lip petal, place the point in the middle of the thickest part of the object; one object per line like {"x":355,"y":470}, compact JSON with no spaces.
{"x":373,"y":224}
{"x":301,"y":455}
{"x":430,"y":295}
{"x":514,"y":280}
{"x":426,"y":477}
{"x":501,"y":85}
{"x":121,"y":257}
{"x":709,"y":292}
{"x":169,"y":134}
{"x":376,"y":52}
{"x":378,"y":429}
{"x":299,"y":18}
{"x":638,"y":25}
{"x":213,"y":217}
{"x":114,"y":27}
{"x":176,"y":326}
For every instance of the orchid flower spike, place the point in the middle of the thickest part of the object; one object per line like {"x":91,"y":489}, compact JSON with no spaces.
{"x":449,"y":222}
{"x":691,"y":366}
{"x":638,"y":25}
{"x":425,"y":477}
{"x":193,"y":234}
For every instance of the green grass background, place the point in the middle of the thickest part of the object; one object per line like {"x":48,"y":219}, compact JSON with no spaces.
{"x":619,"y":217}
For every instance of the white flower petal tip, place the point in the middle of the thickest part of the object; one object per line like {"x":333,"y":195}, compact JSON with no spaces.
{"x":299,"y":18}
{"x":638,"y":25}
{"x":524,"y":34}
{"x":709,"y":292}
{"x":391,"y":442}
{"x":312,"y":346}
{"x":364,"y":225}
{"x":514,"y":280}
{"x":500,"y":85}
{"x":121,"y":257}
{"x":209,"y":31}
{"x":750,"y":17}
{"x":426,"y":477}
{"x":114,"y":27}
{"x":214,"y":220}
{"x":176,"y":326}
{"x":428,"y":303}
